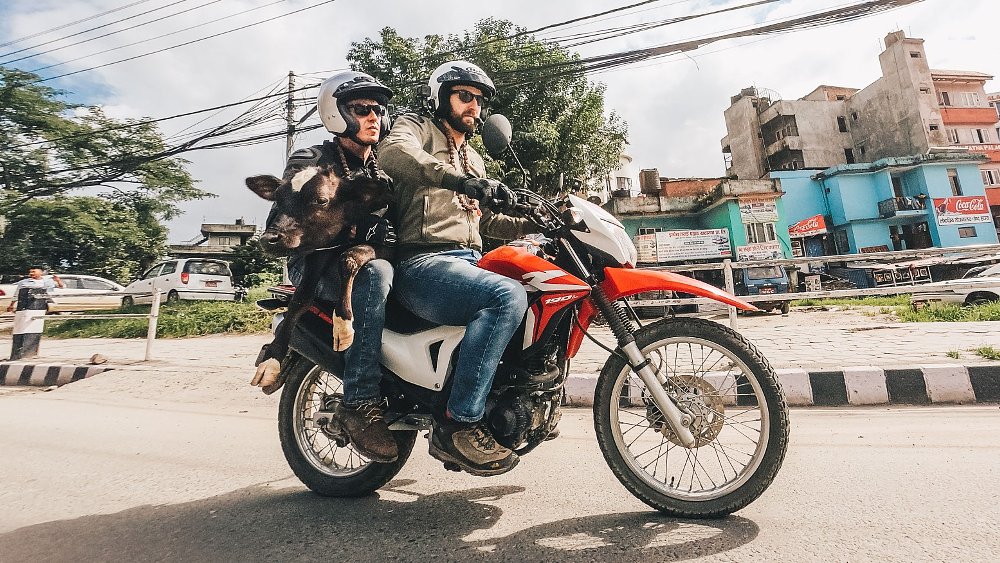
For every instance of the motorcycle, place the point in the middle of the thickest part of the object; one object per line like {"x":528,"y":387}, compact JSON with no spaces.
{"x":688,"y":414}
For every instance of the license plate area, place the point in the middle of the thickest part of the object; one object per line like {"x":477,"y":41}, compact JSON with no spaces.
{"x":766,"y":290}
{"x":211,"y":283}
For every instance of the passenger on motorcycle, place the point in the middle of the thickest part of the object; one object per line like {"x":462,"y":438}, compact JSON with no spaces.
{"x":352,"y":106}
{"x":440,"y":186}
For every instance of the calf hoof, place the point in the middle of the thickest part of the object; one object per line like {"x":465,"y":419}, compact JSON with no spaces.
{"x":343,"y":334}
{"x":267,"y":375}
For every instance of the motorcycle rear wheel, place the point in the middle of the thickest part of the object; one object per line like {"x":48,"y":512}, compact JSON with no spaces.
{"x":740,"y":420}
{"x":315,"y":457}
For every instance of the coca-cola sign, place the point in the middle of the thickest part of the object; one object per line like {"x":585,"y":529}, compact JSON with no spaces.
{"x":814,"y":225}
{"x":962,"y":210}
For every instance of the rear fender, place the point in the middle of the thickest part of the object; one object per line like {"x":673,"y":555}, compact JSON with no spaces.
{"x":621,"y":282}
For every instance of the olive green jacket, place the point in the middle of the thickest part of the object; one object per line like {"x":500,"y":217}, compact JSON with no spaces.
{"x":431,"y":218}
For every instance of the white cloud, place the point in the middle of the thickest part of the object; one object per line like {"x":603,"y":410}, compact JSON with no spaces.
{"x":674,"y":108}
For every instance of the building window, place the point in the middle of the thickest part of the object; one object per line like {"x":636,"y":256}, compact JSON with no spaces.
{"x":841,"y":97}
{"x":956,"y":185}
{"x":648,"y":230}
{"x":861,"y":150}
{"x":914,"y":54}
{"x":849,"y":156}
{"x":925,"y":90}
{"x":966,"y":232}
{"x":952,"y":135}
{"x":933,"y":127}
{"x":225,"y":241}
{"x":842,"y":124}
{"x":897,"y":186}
{"x":760,"y":232}
{"x":990,"y":177}
{"x":981,"y":135}
{"x":854,"y":115}
{"x":945,"y":99}
{"x":969,"y":99}
{"x":624,"y":184}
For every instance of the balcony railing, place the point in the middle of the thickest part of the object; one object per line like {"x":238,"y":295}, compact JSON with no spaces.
{"x":892,"y":206}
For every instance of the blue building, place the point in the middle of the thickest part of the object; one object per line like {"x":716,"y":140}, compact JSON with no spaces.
{"x":921,"y":201}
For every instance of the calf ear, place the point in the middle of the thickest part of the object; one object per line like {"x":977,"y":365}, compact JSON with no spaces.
{"x":264,"y":186}
{"x":372,"y":195}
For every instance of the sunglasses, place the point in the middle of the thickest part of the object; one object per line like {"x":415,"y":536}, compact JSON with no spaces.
{"x":466,"y":96}
{"x":362,"y":110}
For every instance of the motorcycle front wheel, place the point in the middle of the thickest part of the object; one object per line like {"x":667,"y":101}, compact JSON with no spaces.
{"x":318,"y":457}
{"x":738,"y":416}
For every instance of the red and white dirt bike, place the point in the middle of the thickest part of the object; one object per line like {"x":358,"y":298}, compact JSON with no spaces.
{"x":688,"y":414}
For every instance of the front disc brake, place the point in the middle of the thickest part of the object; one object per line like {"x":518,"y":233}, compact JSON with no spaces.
{"x":701,"y":400}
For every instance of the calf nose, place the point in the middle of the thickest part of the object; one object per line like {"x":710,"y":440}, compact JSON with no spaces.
{"x":270,"y":238}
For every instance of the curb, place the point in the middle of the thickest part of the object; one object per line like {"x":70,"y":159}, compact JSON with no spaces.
{"x":854,"y":386}
{"x":45,"y":375}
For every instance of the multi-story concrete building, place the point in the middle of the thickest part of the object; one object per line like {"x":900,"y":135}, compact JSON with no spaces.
{"x":906,"y":112}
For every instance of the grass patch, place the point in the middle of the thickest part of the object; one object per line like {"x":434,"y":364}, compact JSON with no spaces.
{"x":955,"y":354}
{"x":185,"y":318}
{"x":988,"y":352}
{"x":941,"y":312}
{"x":876,"y":301}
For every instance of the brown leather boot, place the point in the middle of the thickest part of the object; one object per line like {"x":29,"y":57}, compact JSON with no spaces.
{"x":471,"y":447}
{"x":368,"y":431}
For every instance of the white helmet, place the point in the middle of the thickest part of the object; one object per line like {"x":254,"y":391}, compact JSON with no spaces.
{"x":451,"y":73}
{"x":341,"y":88}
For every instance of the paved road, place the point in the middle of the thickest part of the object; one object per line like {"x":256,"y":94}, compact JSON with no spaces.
{"x":190,"y":469}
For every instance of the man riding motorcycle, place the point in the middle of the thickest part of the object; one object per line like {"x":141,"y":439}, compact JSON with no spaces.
{"x":440,"y":183}
{"x":352,"y":106}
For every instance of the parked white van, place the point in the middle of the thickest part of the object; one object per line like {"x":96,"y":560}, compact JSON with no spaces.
{"x":183,"y":278}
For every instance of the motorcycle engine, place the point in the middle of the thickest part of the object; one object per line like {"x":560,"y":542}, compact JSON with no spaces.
{"x":517,"y":419}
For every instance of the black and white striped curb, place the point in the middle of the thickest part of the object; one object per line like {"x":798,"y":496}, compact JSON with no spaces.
{"x":861,"y":386}
{"x":45,"y":374}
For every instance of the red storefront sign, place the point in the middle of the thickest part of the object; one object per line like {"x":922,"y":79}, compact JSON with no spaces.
{"x":815,"y":225}
{"x":962,"y":210}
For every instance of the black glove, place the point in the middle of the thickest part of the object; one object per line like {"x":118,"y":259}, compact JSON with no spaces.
{"x":375,"y":230}
{"x":489,"y":192}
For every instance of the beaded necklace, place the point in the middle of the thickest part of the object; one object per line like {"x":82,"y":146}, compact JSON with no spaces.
{"x":468,"y":204}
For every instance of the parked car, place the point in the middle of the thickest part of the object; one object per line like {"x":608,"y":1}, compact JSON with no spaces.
{"x":184,"y":278}
{"x":81,"y":293}
{"x":981,"y":285}
{"x":764,"y":280}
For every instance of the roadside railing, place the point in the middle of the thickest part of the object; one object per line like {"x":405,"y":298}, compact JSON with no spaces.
{"x":31,"y":321}
{"x":728,"y":267}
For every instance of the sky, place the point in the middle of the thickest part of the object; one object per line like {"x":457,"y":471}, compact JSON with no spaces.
{"x":673,"y":107}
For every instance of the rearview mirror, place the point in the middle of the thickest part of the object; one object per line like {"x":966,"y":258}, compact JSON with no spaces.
{"x":497,"y":133}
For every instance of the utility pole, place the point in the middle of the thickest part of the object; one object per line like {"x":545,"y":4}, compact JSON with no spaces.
{"x":290,"y":115}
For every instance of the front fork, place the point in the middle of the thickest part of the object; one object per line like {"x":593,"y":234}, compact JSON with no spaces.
{"x":620,"y":325}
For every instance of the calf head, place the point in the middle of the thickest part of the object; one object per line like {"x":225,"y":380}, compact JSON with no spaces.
{"x":313,"y":207}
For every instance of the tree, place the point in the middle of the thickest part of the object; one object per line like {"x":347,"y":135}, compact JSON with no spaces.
{"x":560,"y":127}
{"x":51,"y":147}
{"x":82,"y":234}
{"x":252,"y":267}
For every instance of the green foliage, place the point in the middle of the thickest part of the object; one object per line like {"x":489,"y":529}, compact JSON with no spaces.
{"x":988,"y":352}
{"x":82,"y":235}
{"x":52,"y":147}
{"x":939,"y":312}
{"x":560,"y":126}
{"x":954,"y":354}
{"x":251,"y":266}
{"x":184,"y":318}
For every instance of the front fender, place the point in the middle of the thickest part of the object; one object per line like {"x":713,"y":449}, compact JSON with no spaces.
{"x":622,"y":282}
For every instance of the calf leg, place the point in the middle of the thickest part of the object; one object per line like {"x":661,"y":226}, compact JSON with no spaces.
{"x":352,"y":260}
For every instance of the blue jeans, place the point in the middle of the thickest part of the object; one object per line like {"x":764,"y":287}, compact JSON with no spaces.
{"x":448,"y":288}
{"x":362,"y":374}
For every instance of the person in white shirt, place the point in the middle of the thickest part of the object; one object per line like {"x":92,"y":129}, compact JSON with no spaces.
{"x":36,"y":280}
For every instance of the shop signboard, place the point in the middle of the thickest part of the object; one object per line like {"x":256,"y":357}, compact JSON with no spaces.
{"x":962,"y":210}
{"x":758,"y":210}
{"x":812,"y":226}
{"x":672,"y":246}
{"x":759,"y":251}
{"x":901,"y":275}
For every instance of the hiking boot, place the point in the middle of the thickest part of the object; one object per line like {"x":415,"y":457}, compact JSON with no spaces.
{"x":368,"y":431}
{"x":471,"y":447}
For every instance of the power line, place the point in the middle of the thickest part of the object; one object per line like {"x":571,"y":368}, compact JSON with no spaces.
{"x":89,"y":39}
{"x":148,"y":39}
{"x":187,"y":42}
{"x":65,"y":25}
{"x":91,"y":29}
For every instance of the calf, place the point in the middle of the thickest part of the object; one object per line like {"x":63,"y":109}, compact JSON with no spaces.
{"x":315,"y":209}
